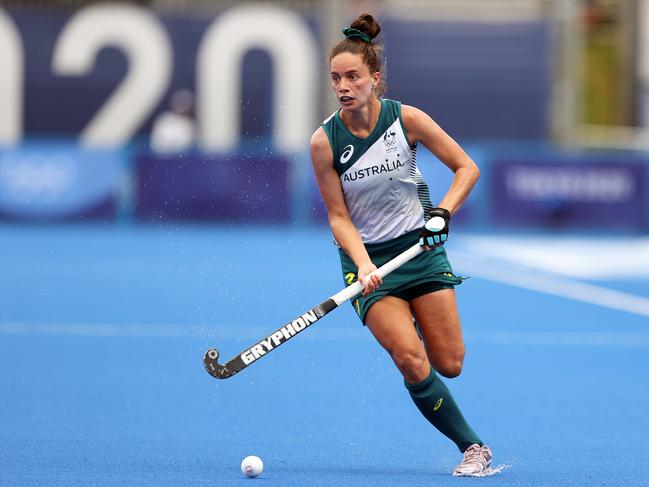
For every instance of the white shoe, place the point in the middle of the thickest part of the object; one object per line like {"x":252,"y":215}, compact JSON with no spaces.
{"x":476,"y":462}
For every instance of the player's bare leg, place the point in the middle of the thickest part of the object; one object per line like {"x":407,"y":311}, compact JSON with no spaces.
{"x":439,"y":323}
{"x":390,"y":321}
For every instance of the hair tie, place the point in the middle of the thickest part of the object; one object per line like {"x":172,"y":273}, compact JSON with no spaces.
{"x":356,"y":34}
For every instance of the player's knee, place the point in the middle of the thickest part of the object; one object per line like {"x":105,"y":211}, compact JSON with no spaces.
{"x":452,"y":365}
{"x":412,"y":364}
{"x":450,"y":370}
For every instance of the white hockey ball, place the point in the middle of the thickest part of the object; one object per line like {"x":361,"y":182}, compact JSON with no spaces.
{"x":252,"y":466}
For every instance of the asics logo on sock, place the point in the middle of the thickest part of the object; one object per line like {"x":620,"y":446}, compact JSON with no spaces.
{"x":438,"y":404}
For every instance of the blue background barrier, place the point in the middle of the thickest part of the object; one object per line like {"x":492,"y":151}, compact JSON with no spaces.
{"x":56,"y":180}
{"x":202,"y":187}
{"x":569,"y":193}
{"x":522,"y":186}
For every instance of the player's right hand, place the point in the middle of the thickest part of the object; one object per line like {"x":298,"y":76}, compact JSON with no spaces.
{"x":370,"y":282}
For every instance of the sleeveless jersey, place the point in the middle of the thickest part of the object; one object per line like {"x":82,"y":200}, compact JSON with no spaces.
{"x":385,"y":193}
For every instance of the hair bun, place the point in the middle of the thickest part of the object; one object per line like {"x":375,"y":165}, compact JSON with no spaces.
{"x":366,"y":23}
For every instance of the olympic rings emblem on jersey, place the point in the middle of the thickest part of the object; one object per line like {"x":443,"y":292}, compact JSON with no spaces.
{"x":347,"y":154}
{"x":390,"y":140}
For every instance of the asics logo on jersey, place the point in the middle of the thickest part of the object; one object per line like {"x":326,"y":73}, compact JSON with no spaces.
{"x":347,"y":154}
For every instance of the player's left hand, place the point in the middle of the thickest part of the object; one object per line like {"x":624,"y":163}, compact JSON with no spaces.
{"x":435,"y":232}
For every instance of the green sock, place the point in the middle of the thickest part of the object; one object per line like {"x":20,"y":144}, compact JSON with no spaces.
{"x":435,"y":402}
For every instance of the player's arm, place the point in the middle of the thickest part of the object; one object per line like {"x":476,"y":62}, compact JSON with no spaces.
{"x":340,"y":222}
{"x":421,"y":128}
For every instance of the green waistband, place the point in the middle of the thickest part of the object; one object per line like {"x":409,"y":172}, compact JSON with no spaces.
{"x":393,"y":246}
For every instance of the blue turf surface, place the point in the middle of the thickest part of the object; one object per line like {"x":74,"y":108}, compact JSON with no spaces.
{"x":102,"y":332}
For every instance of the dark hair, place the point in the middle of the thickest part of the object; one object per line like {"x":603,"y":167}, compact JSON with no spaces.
{"x":371,"y":52}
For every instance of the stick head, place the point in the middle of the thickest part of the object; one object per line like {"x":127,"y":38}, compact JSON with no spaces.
{"x":214,"y":368}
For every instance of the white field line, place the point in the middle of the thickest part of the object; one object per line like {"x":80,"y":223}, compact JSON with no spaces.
{"x":239,"y":332}
{"x":571,"y":257}
{"x":522,"y":277}
{"x":247,"y":336}
{"x":95,"y":329}
{"x":559,"y":339}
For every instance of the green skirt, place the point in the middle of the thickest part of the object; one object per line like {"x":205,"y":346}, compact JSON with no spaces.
{"x":428,"y":272}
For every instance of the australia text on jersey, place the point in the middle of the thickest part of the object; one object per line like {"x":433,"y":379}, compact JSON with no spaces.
{"x":373,"y":170}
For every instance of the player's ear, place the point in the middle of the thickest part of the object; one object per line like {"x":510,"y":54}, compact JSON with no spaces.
{"x":376,"y":79}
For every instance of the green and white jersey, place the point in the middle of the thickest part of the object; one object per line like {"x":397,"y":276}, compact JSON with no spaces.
{"x":385,"y":193}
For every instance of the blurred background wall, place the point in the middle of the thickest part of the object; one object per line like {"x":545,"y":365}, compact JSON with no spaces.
{"x":197,"y":110}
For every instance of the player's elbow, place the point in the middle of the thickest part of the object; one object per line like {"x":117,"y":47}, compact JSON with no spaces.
{"x":473,"y":171}
{"x":338,"y":221}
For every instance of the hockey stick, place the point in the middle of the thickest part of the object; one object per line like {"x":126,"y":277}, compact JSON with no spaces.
{"x":298,"y":325}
